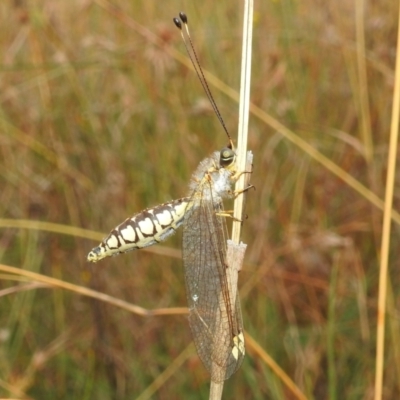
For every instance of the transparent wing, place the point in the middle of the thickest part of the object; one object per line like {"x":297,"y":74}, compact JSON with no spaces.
{"x":215,"y":318}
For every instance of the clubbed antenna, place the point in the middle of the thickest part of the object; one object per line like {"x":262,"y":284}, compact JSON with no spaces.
{"x":197,"y":67}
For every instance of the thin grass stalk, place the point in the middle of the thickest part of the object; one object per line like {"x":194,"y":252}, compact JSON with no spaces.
{"x":77,"y":232}
{"x":394,"y":330}
{"x":385,"y":244}
{"x":244,"y":109}
{"x":332,"y":376}
{"x":53,"y":282}
{"x":167,"y":373}
{"x":277,"y":370}
{"x":362,"y":83}
{"x":216,"y":388}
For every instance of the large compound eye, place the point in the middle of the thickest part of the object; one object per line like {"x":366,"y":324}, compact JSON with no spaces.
{"x":226,"y":157}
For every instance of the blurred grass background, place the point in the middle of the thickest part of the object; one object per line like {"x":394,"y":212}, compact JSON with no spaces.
{"x":99,"y":122}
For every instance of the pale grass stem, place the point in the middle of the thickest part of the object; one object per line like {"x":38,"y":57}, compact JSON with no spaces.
{"x":53,"y":282}
{"x":386,"y":229}
{"x":216,"y":388}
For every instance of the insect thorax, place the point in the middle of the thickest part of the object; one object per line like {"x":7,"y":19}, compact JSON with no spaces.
{"x":212,"y":179}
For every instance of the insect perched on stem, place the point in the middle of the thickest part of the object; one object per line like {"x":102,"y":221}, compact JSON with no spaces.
{"x":214,"y":308}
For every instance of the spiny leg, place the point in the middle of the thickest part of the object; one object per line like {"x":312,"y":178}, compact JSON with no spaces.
{"x":236,"y":193}
{"x":228,"y":214}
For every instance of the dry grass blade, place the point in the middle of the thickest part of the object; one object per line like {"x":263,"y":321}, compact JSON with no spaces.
{"x":23,"y":287}
{"x":94,"y":294}
{"x":77,"y":232}
{"x":385,"y":244}
{"x":263,"y":355}
{"x":45,"y":152}
{"x":363,"y":82}
{"x":243,"y":125}
{"x":167,"y":373}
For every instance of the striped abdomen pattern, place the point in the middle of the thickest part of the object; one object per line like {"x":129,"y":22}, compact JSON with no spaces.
{"x":149,"y":227}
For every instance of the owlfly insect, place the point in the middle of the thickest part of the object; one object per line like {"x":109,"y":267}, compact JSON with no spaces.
{"x":214,"y":312}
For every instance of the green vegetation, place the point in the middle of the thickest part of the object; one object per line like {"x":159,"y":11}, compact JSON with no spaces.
{"x":99,"y":120}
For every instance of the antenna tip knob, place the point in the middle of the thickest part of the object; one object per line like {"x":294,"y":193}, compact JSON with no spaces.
{"x":177,"y":23}
{"x":183,"y":17}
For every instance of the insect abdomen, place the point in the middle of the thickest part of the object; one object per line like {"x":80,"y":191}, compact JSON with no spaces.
{"x":149,"y":227}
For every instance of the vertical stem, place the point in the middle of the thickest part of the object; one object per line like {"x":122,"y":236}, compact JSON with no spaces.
{"x":244,"y":106}
{"x":362,"y":82}
{"x":217,"y":388}
{"x":385,"y":244}
{"x":331,"y":330}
